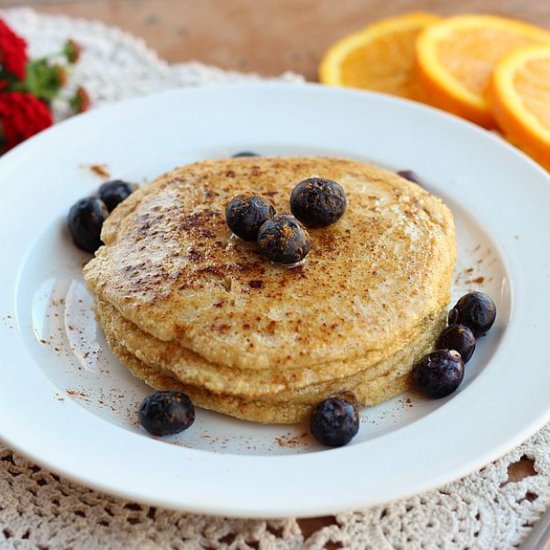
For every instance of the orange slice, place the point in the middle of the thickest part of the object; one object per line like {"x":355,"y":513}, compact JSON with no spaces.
{"x":380,"y":58}
{"x":520,"y":99}
{"x":456,"y":58}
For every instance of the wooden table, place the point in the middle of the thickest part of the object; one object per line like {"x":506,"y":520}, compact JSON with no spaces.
{"x":269,"y":37}
{"x":264,"y":36}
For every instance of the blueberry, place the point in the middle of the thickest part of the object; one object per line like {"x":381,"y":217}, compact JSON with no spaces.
{"x":283,"y":239}
{"x":476,"y":310}
{"x":246,"y":213}
{"x":318,"y":202}
{"x":460,"y":338}
{"x":439,"y":373}
{"x":334,"y":422}
{"x":410,"y":175}
{"x":245,"y":154}
{"x":85,"y":221}
{"x":112,"y":193}
{"x":166,"y":412}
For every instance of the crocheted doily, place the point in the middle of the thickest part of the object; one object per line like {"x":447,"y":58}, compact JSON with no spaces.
{"x":488,"y":509}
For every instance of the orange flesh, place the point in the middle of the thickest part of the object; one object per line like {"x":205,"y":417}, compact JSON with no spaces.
{"x":532,"y":83}
{"x":384,"y":64}
{"x":471,"y":55}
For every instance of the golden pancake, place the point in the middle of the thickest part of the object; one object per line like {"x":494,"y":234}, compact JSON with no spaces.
{"x":289,"y":409}
{"x":171,"y":267}
{"x":190,"y":368}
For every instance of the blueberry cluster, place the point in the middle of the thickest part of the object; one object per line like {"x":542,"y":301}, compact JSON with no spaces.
{"x":440,"y":373}
{"x":335,"y":421}
{"x":282,"y":238}
{"x":87,"y":215}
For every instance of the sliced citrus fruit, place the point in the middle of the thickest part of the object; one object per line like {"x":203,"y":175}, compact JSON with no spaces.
{"x":456,"y":58}
{"x":520,"y":100}
{"x":381,"y":57}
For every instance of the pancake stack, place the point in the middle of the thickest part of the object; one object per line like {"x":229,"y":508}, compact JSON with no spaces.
{"x":186,"y":305}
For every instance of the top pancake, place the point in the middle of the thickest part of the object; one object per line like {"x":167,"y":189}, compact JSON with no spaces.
{"x":171,"y":265}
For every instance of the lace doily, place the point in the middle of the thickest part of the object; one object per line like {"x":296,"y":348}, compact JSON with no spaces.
{"x":488,"y":509}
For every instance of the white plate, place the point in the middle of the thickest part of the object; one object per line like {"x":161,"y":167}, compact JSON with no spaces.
{"x":68,"y":405}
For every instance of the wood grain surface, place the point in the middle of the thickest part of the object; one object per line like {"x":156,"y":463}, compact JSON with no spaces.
{"x":264,"y":36}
